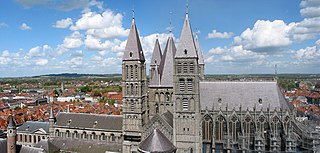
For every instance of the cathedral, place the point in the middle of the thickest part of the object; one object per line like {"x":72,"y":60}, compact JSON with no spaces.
{"x":176,"y":105}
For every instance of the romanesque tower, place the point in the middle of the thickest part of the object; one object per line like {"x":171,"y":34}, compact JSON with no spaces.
{"x":186,"y":93}
{"x":134,"y":83}
{"x":11,"y":135}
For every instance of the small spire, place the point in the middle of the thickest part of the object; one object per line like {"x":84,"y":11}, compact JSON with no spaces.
{"x":133,"y":15}
{"x":51,"y":113}
{"x":12,"y":123}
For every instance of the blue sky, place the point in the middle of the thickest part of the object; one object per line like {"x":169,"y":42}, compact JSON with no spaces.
{"x":89,"y":36}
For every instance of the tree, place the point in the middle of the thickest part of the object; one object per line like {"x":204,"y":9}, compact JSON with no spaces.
{"x":85,"y":89}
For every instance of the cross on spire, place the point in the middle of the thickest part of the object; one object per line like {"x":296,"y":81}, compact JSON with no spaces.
{"x":187,"y":6}
{"x":170,"y":26}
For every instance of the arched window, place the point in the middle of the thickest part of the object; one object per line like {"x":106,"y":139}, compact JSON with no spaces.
{"x":68,"y":134}
{"x":84,"y":135}
{"x":185,"y":104}
{"x":191,"y":67}
{"x":136,"y":89}
{"x":179,"y":69}
{"x":127,"y":72}
{"x":190,"y":85}
{"x":113,"y":138}
{"x":221,"y":127}
{"x":132,"y":89}
{"x":234,"y":127}
{"x":131,"y":71}
{"x":181,"y":85}
{"x":76,"y":134}
{"x":185,"y":68}
{"x":136,"y":71}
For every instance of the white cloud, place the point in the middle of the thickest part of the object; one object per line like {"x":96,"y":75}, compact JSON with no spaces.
{"x":93,"y":43}
{"x":105,"y":25}
{"x":24,"y":26}
{"x":73,"y":41}
{"x":41,"y":62}
{"x":2,"y":24}
{"x":222,"y":35}
{"x":217,"y":50}
{"x":265,"y":36}
{"x":63,"y":23}
{"x":309,"y":53}
{"x":63,"y":5}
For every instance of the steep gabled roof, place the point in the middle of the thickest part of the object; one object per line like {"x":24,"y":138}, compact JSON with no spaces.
{"x":157,"y":142}
{"x":186,"y":47}
{"x":156,"y":55}
{"x":133,"y":50}
{"x":199,"y":52}
{"x":166,"y":66}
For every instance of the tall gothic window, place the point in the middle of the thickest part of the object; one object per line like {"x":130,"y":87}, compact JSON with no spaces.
{"x":132,"y":89}
{"x":234,"y":127}
{"x":189,"y":84}
{"x":181,"y":85}
{"x":136,"y":89}
{"x":185,"y":104}
{"x":127,"y":72}
{"x":207,"y":126}
{"x":221,"y":127}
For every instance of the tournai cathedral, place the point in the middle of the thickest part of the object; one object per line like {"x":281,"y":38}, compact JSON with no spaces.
{"x":175,"y":109}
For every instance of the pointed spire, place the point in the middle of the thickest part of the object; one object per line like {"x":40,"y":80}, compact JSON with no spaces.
{"x":133,"y":50}
{"x":12,"y":122}
{"x":199,"y":52}
{"x":167,"y":62}
{"x":156,"y":142}
{"x":155,"y":81}
{"x":51,"y":114}
{"x":186,"y":47}
{"x":156,"y":55}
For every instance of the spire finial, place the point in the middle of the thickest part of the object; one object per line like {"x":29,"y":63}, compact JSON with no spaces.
{"x":133,"y":11}
{"x":187,"y":7}
{"x":170,"y":26}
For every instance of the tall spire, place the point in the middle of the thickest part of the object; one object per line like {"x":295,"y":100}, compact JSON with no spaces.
{"x":167,"y":62}
{"x":156,"y":55}
{"x":133,"y":50}
{"x":186,"y":47}
{"x":199,"y":52}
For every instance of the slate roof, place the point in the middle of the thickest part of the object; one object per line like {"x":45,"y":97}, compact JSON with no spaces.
{"x":186,"y":42}
{"x":199,"y":52}
{"x":48,"y":146}
{"x":156,"y":54}
{"x":31,"y":126}
{"x":81,"y":120}
{"x":133,"y":46}
{"x":156,"y":142}
{"x":168,"y":117}
{"x":20,"y":148}
{"x":85,"y":146}
{"x":244,"y":94}
{"x":166,"y":66}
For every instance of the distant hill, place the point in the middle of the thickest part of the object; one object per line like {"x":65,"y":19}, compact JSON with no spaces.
{"x":76,"y":75}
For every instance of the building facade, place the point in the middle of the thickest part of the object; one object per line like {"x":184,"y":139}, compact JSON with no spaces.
{"x":197,"y":115}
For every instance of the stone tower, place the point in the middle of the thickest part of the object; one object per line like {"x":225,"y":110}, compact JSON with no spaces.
{"x":11,"y":135}
{"x":51,"y":123}
{"x":186,"y":89}
{"x":200,"y":58}
{"x":134,"y":83}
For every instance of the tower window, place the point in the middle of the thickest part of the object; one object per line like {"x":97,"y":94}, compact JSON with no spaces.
{"x":189,"y":84}
{"x":136,"y":71}
{"x":179,"y":67}
{"x":185,"y":68}
{"x":181,"y":85}
{"x":131,"y":71}
{"x":191,"y":68}
{"x":132,"y":105}
{"x":130,"y":54}
{"x":185,"y":104}
{"x":185,"y":52}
